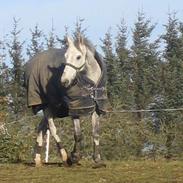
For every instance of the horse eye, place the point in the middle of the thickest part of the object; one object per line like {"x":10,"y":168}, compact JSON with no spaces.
{"x":78,"y":57}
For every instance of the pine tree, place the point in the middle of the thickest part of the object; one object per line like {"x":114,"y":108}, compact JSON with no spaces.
{"x":121,"y":43}
{"x":124,"y":66}
{"x":15,"y":48}
{"x":79,"y":30}
{"x":112,"y":66}
{"x":51,"y":40}
{"x":144,"y":60}
{"x":62,"y":41}
{"x":172,"y":87}
{"x":3,"y":70}
{"x":172,"y":83}
{"x":36,"y":45}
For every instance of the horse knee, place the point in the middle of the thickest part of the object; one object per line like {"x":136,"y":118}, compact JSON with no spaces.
{"x":78,"y":138}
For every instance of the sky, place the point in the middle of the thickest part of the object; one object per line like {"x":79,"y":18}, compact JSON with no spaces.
{"x":99,"y":15}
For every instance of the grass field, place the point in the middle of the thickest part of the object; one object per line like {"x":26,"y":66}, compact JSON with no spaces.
{"x":115,"y":172}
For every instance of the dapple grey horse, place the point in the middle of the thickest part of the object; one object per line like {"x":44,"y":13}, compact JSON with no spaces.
{"x":67,"y":82}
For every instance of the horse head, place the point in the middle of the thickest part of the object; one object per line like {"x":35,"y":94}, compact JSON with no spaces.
{"x":75,"y":60}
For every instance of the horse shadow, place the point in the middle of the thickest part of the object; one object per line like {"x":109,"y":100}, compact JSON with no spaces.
{"x":56,"y":93}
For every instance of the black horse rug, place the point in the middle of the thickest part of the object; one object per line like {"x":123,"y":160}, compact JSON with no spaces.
{"x":43,"y":82}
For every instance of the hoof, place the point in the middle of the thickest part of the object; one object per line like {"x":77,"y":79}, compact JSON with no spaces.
{"x":75,"y":158}
{"x":37,"y":160}
{"x":65,"y":164}
{"x":68,"y":162}
{"x":65,"y":158}
{"x":99,"y":164}
{"x":38,"y":165}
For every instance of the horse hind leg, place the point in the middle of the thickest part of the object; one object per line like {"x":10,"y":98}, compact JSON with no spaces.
{"x":38,"y":148}
{"x":78,"y":138}
{"x":39,"y":142}
{"x":96,"y":143}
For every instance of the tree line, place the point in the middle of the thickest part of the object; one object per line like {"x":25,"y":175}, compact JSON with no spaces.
{"x":142,"y":74}
{"x":139,"y":74}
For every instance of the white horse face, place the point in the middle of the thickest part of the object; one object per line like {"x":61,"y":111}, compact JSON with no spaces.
{"x":75,"y":61}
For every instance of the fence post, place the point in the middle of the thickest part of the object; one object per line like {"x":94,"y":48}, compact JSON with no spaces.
{"x":47,"y":145}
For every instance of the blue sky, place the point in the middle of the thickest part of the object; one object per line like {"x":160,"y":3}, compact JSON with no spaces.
{"x":99,"y":15}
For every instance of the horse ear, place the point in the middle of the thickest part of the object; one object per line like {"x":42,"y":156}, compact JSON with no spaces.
{"x":82,"y":45}
{"x":80,"y":39}
{"x":83,"y":48}
{"x":69,"y":41}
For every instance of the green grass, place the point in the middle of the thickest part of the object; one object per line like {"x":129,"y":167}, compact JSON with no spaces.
{"x":115,"y":172}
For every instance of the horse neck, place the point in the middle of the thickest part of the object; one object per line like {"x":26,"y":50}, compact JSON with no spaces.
{"x":93,"y":69}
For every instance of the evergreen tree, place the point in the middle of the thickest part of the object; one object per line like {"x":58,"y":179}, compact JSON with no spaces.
{"x":51,"y":41}
{"x":112,"y":65}
{"x":172,"y":82}
{"x":15,"y":48}
{"x":3,"y":71}
{"x":62,"y":41}
{"x":124,"y":66}
{"x":37,"y":44}
{"x":121,"y":43}
{"x":181,"y":39}
{"x":172,"y":87}
{"x":144,"y":60}
{"x":79,"y":30}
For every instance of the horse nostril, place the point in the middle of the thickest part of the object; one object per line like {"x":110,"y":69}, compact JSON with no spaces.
{"x":65,"y":83}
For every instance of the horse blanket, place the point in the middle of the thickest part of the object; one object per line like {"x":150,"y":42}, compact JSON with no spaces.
{"x":43,"y":82}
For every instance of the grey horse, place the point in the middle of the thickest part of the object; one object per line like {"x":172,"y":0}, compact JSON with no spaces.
{"x":68,"y":82}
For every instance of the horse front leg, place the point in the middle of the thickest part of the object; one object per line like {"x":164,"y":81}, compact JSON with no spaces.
{"x":96,"y":143}
{"x":78,"y":138}
{"x":39,"y":142}
{"x":53,"y":132}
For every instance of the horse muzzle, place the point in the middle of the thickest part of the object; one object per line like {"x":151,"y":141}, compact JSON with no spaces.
{"x":65,"y":82}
